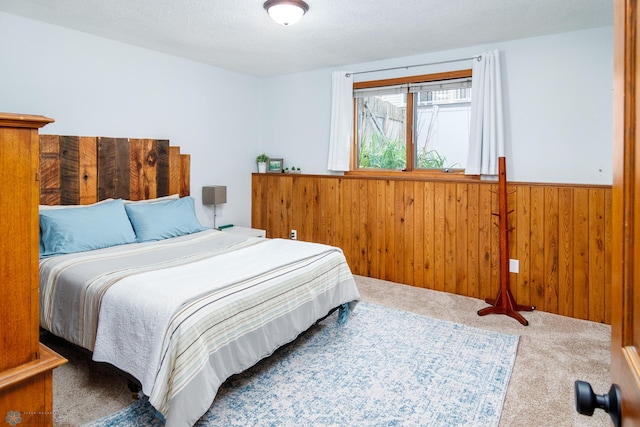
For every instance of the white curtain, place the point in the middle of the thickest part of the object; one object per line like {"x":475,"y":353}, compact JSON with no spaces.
{"x":341,"y":121}
{"x":486,"y":136}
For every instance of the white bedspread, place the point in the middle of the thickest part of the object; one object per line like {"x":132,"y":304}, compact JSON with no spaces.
{"x":183,"y":329}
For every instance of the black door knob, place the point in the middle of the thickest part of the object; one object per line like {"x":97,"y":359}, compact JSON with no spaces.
{"x":587,"y":401}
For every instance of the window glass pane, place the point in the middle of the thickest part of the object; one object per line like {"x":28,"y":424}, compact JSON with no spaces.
{"x":441,"y":135}
{"x":381,"y":131}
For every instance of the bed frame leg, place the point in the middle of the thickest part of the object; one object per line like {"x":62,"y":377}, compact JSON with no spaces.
{"x":135,"y":388}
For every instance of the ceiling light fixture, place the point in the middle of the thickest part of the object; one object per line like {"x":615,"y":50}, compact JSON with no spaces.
{"x":286,"y":12}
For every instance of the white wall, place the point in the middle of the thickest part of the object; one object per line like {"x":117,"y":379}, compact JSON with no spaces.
{"x":558,"y":101}
{"x":558,"y":98}
{"x":94,"y":86}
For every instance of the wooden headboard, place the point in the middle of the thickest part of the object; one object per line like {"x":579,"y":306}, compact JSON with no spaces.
{"x":80,"y":170}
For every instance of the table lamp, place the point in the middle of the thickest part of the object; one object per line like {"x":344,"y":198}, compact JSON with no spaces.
{"x":214,"y":195}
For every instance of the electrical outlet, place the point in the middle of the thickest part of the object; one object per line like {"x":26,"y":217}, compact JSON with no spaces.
{"x":294,"y":235}
{"x":514,"y":266}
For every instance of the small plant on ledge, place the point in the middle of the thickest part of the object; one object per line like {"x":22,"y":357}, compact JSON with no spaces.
{"x":262,"y":160}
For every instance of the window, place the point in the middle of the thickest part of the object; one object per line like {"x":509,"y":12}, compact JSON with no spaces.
{"x":381,"y":124}
{"x":418,"y":123}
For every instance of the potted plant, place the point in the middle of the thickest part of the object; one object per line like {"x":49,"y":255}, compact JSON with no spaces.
{"x":262,"y":160}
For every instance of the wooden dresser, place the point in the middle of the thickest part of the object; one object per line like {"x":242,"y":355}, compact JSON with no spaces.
{"x":25,"y":365}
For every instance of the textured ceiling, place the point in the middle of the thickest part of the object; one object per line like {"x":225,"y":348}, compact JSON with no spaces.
{"x":239,"y":35}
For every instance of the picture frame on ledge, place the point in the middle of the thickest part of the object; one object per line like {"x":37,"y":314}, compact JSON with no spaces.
{"x":275,"y":165}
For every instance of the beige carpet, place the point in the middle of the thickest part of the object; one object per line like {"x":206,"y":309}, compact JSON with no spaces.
{"x":553,"y":352}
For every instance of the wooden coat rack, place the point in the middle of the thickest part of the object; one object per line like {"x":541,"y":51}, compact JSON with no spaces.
{"x":504,"y":303}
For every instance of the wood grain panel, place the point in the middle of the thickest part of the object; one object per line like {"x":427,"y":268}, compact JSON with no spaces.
{"x":297,"y":205}
{"x":537,"y":278}
{"x":608,"y":253}
{"x":418,"y":234}
{"x":162,"y":167}
{"x":137,"y":179}
{"x":307,"y":204}
{"x":185,"y":175}
{"x":316,"y":212}
{"x":18,"y":266}
{"x":473,"y":242}
{"x":409,"y":233}
{"x":175,"y":170}
{"x":69,"y":170}
{"x":348,"y":217}
{"x":439,"y":240}
{"x":88,"y":175}
{"x":338,"y":214}
{"x":331,"y":205}
{"x":113,"y":168}
{"x":258,"y":200}
{"x":596,"y":254}
{"x":31,"y":240}
{"x":428,"y":217}
{"x":462,"y":239}
{"x":442,"y":235}
{"x":450,"y":233}
{"x":84,"y":170}
{"x":581,"y":253}
{"x":523,"y":245}
{"x":354,"y":206}
{"x":363,"y":224}
{"x":379,"y":224}
{"x":143,"y":160}
{"x":389,"y":228}
{"x":49,"y":169}
{"x":271,"y":204}
{"x":551,"y":293}
{"x":399,"y":225}
{"x":486,"y":228}
{"x":565,"y":252}
{"x":373,"y":255}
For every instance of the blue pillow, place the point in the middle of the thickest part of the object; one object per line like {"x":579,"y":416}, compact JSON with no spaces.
{"x":162,"y":220}
{"x":65,"y":231}
{"x":52,"y":207}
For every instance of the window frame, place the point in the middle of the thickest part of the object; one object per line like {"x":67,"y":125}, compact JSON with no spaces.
{"x":410,"y":149}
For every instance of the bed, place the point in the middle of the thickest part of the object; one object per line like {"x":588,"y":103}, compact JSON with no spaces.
{"x":179,"y":307}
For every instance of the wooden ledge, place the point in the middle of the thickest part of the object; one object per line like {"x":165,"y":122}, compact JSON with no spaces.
{"x":47,"y":361}
{"x":23,"y":120}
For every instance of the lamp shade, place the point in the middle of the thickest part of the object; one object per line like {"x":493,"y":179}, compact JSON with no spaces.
{"x":286,"y":12}
{"x":214,"y":194}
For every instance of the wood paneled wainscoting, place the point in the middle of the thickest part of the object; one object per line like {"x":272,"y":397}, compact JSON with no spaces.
{"x":443,"y":234}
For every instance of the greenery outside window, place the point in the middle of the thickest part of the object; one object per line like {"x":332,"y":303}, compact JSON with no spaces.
{"x":413,"y":124}
{"x":381,"y":128}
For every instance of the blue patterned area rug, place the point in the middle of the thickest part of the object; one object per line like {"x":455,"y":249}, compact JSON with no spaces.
{"x":384,"y":367}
